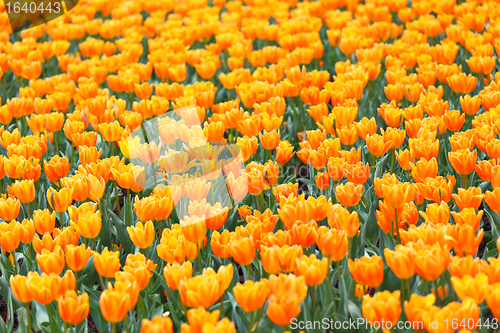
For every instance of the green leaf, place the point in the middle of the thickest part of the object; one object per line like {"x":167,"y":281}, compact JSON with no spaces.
{"x":22,"y":319}
{"x":354,"y":310}
{"x":5,"y":291}
{"x":370,"y":227}
{"x":342,"y":310}
{"x":121,"y":233}
{"x":173,"y":305}
{"x":105,"y":234}
{"x":95,"y":309}
{"x":3,"y":327}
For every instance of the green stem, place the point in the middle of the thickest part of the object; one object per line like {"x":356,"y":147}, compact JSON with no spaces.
{"x":257,"y":203}
{"x":57,"y":144}
{"x":329,"y":276}
{"x":61,"y":220}
{"x":50,"y":318}
{"x":127,"y":210}
{"x":338,"y":269}
{"x":442,"y":281}
{"x":397,"y":226}
{"x":436,"y":288}
{"x":392,"y":160}
{"x":28,"y":208}
{"x":250,"y":326}
{"x":199,"y":257}
{"x":117,"y":200}
{"x":143,"y":307}
{"x":144,"y":133}
{"x":29,"y":316}
{"x":95,"y":244}
{"x":248,"y":272}
{"x":65,"y":327}
{"x":113,"y":328}
{"x":465,"y":181}
{"x":222,"y":305}
{"x":146,"y":253}
{"x":101,"y":282}
{"x":262,"y":200}
{"x":402,"y":291}
{"x":71,"y":158}
{"x":154,"y":173}
{"x":313,"y":299}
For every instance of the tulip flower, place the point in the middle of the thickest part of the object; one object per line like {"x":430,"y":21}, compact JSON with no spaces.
{"x":142,"y":235}
{"x":89,"y":224}
{"x":77,"y":257}
{"x":157,"y":324}
{"x":251,"y":296}
{"x":73,"y":309}
{"x":376,"y":310}
{"x":106,"y":263}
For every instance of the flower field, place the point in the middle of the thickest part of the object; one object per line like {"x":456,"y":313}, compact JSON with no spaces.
{"x":251,"y":166}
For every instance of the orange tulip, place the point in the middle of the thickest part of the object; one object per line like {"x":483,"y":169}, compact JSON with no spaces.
{"x":21,"y":288}
{"x":77,"y":257}
{"x":368,"y":271}
{"x":10,"y":236}
{"x":401,"y":262}
{"x":278,"y":259}
{"x":243,"y":250}
{"x":198,"y":319}
{"x":51,"y":262}
{"x":470,"y":198}
{"x":336,"y":168}
{"x":454,"y":120}
{"x":220,"y":243}
{"x":73,"y":309}
{"x":194,"y":229}
{"x":493,"y":299}
{"x":200,"y":291}
{"x":41,"y":287}
{"x":461,"y":83}
{"x":333,"y":243}
{"x":437,"y":214}
{"x":142,"y":235}
{"x":349,"y":194}
{"x":251,"y":296}
{"x":106,"y":263}
{"x":382,"y":308}
{"x":140,"y":268}
{"x":313,"y":269}
{"x":284,"y":152}
{"x":357,"y":173}
{"x":431,"y":262}
{"x":463,"y":161}
{"x":470,"y":105}
{"x":114,"y":305}
{"x":465,"y":241}
{"x":157,"y":324}
{"x":88,"y":225}
{"x":9,"y":208}
{"x":56,"y":168}
{"x":174,"y":273}
{"x":493,"y":199}
{"x":475,"y":288}
{"x":376,"y":145}
{"x":60,"y":200}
